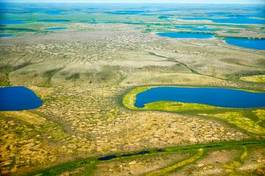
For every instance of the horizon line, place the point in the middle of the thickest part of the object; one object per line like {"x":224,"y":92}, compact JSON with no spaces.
{"x":108,"y":2}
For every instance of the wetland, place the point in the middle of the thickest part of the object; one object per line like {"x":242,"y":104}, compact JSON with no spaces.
{"x":88,"y":64}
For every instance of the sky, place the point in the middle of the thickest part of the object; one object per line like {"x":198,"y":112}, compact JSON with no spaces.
{"x":147,"y":1}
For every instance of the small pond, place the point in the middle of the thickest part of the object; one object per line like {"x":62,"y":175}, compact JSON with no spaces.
{"x":258,"y":44}
{"x":239,"y":20}
{"x":55,"y":28}
{"x":6,"y":35}
{"x":18,"y":98}
{"x":187,"y":35}
{"x":127,"y":12}
{"x":231,"y":20}
{"x":55,"y":20}
{"x":222,"y":97}
{"x":7,"y":21}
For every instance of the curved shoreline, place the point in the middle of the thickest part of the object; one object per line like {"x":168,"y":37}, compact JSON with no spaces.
{"x":128,"y":99}
{"x":233,"y":116}
{"x":25,"y":99}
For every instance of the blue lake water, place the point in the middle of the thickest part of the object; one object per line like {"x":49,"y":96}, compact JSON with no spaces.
{"x":186,"y":35}
{"x":232,"y":20}
{"x":55,"y":20}
{"x":221,"y":97}
{"x":18,"y":98}
{"x":239,"y":20}
{"x":195,"y":18}
{"x":7,"y":21}
{"x":53,"y":12}
{"x":164,"y":17}
{"x":258,"y":44}
{"x":17,"y":29}
{"x":6,"y":35}
{"x":55,"y":28}
{"x":127,"y":12}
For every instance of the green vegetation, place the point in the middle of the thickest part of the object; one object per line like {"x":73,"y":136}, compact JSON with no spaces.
{"x":5,"y":70}
{"x":73,"y":77}
{"x":250,"y":77}
{"x":47,"y":75}
{"x":254,"y":78}
{"x":80,"y":73}
{"x":129,"y":99}
{"x":88,"y":164}
{"x":198,"y":149}
{"x":240,"y":118}
{"x":232,"y":166}
{"x":178,"y":107}
{"x":25,"y":116}
{"x":177,"y":165}
{"x":4,"y":80}
{"x":260,"y":113}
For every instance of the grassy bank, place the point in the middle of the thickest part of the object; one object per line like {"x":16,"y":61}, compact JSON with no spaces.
{"x":88,"y":165}
{"x":250,"y":120}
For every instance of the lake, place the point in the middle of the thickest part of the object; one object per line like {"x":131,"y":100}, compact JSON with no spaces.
{"x":258,"y":44}
{"x":187,"y":35}
{"x":6,"y":35}
{"x":127,"y":12}
{"x":9,"y":21}
{"x":239,"y":20}
{"x":221,"y":97}
{"x":55,"y":28}
{"x":54,"y":20}
{"x":232,"y":20}
{"x":18,"y":98}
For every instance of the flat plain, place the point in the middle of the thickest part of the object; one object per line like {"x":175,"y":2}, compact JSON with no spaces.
{"x":86,"y":125}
